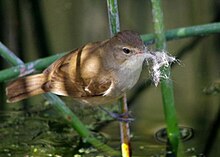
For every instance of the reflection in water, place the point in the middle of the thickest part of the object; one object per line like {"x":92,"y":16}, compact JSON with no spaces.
{"x":186,"y":134}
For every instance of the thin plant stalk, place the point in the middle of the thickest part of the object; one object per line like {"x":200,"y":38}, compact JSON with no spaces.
{"x":79,"y":127}
{"x":125,"y":130}
{"x":9,"y":55}
{"x":41,"y":64}
{"x":166,"y":84}
{"x":24,"y":69}
{"x":114,"y":27}
{"x":65,"y":112}
{"x":185,"y":32}
{"x":113,"y":16}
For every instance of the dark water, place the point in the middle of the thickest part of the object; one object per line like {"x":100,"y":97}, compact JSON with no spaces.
{"x":40,"y":131}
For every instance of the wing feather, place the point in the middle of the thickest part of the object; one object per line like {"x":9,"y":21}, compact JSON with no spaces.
{"x":65,"y":76}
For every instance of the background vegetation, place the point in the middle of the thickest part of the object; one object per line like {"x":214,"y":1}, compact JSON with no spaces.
{"x":35,"y":29}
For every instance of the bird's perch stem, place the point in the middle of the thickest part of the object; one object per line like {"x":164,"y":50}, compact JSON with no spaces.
{"x":114,"y":27}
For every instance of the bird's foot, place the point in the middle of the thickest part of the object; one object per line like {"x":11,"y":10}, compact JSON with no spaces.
{"x":124,"y":117}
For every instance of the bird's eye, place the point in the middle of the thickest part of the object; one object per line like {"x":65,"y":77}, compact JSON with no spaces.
{"x":126,"y":50}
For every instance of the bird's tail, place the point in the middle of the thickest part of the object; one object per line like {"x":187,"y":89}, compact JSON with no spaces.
{"x":23,"y":88}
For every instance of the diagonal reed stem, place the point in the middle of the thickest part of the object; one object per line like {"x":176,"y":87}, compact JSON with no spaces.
{"x":9,"y":55}
{"x":64,"y":111}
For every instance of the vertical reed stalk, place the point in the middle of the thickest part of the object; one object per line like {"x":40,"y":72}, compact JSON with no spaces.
{"x":114,"y":27}
{"x":166,"y":84}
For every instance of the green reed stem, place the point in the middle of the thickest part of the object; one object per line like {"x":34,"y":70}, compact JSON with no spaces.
{"x":58,"y":104}
{"x":113,"y":16}
{"x":79,"y":127}
{"x":41,"y":64}
{"x":166,"y":84}
{"x":9,"y":56}
{"x":185,"y":32}
{"x":22,"y":69}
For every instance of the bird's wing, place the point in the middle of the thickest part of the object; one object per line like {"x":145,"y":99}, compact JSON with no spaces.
{"x":64,"y":78}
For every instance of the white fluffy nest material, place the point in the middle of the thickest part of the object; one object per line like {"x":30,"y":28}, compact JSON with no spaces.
{"x":155,"y":61}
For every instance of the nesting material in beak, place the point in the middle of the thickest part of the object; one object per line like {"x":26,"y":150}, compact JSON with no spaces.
{"x":155,"y":61}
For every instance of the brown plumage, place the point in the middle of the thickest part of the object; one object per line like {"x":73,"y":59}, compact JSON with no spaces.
{"x":25,"y":87}
{"x":91,"y":74}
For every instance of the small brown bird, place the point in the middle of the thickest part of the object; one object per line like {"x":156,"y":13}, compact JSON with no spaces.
{"x":97,"y":73}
